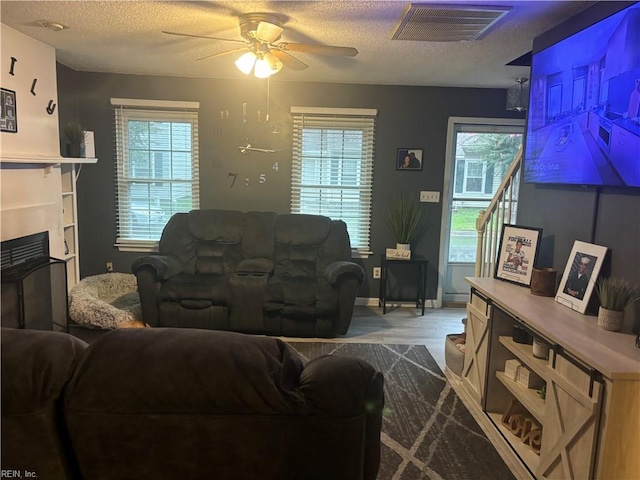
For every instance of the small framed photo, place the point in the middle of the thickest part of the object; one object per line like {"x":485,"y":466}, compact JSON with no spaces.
{"x":518,"y":252}
{"x":580,"y":275}
{"x":409,"y":159}
{"x":9,"y":112}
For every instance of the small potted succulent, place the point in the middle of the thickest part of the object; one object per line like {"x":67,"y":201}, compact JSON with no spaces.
{"x":615,"y":295}
{"x":75,"y":138}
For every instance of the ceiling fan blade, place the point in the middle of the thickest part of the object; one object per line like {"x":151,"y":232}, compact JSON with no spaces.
{"x":204,"y":36}
{"x":289,"y":61}
{"x":268,"y":32}
{"x":220,"y":54}
{"x":318,"y":49}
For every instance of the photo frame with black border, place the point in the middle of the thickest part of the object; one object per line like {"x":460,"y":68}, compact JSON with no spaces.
{"x":518,"y":252}
{"x":580,"y":275}
{"x":409,"y":159}
{"x":8,"y":111}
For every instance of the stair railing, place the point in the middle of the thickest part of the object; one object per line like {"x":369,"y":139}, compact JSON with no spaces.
{"x":503,"y":208}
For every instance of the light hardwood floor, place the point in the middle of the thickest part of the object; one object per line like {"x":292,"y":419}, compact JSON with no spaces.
{"x":401,"y":325}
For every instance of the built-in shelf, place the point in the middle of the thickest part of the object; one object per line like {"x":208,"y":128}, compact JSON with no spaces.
{"x":525,"y":353}
{"x":528,"y":397}
{"x":530,"y":458}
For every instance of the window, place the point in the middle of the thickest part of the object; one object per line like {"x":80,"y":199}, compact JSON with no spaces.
{"x":332,"y":168}
{"x":156,"y":168}
{"x":474,"y":182}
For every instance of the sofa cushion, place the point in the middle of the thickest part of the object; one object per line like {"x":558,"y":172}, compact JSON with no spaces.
{"x":255,"y":265}
{"x":298,"y":230}
{"x":129,"y":372}
{"x":196,"y":287}
{"x":258,"y":236}
{"x":36,"y":366}
{"x":222,"y":226}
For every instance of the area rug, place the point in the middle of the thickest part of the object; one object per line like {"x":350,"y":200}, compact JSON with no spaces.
{"x":427,"y":432}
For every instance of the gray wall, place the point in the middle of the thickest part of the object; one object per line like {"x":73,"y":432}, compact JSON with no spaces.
{"x":407,"y":117}
{"x":605,"y":216}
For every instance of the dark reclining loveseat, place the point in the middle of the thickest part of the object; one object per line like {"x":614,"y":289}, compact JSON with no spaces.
{"x":184,"y":404}
{"x":254,"y":272}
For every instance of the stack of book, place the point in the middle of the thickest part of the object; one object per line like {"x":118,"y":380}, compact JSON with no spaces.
{"x":518,"y":372}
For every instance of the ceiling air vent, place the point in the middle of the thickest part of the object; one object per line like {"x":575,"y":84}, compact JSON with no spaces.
{"x":448,"y":23}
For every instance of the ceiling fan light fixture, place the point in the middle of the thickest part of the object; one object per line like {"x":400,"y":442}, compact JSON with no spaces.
{"x":262,"y":69}
{"x":245,"y":62}
{"x":274,"y":62}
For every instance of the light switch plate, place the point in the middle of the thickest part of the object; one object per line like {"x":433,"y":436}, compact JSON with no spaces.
{"x":427,"y":196}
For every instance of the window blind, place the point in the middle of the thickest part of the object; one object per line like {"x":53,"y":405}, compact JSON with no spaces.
{"x":157,"y":173}
{"x":332,"y":167}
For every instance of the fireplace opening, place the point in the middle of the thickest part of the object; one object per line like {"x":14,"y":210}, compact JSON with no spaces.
{"x":34,"y":285}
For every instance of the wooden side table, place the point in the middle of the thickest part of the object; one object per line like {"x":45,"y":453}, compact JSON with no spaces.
{"x":417,"y":261}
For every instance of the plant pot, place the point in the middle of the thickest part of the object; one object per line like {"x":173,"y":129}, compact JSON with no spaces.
{"x":74,"y":150}
{"x":403,"y":246}
{"x":610,"y":319}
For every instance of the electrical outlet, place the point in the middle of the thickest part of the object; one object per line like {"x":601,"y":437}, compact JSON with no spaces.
{"x":109,"y":266}
{"x":377,"y":272}
{"x":432,"y":197}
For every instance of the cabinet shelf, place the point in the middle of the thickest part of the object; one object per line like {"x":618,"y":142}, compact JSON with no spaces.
{"x":524,"y":352}
{"x":528,"y":397}
{"x":528,"y":456}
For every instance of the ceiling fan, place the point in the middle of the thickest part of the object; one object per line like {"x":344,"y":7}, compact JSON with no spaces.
{"x":263,"y":55}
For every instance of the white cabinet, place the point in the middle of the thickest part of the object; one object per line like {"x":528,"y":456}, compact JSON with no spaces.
{"x":476,"y":346}
{"x":594,"y":125}
{"x":591,"y":378}
{"x":624,"y":154}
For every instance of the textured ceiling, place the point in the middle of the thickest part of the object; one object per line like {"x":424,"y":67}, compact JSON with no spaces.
{"x":125,"y":37}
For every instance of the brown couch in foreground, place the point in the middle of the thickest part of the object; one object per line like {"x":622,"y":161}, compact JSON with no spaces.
{"x":254,"y":272}
{"x":185,"y":403}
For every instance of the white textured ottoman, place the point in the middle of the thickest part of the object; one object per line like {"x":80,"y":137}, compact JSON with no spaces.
{"x":107,"y":301}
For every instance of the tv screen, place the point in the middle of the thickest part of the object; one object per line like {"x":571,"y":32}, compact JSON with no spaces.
{"x":583,"y":120}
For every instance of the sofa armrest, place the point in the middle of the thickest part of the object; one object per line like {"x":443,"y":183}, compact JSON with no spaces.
{"x":165,"y":266}
{"x":336,"y":269}
{"x":348,"y":387}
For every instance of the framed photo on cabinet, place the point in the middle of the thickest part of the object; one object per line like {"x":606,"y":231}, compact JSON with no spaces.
{"x":580,"y":275}
{"x":517,"y":254}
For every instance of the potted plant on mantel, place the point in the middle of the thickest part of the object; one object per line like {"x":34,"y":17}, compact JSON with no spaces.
{"x":615,"y":295}
{"x":75,"y":137}
{"x":404,"y":218}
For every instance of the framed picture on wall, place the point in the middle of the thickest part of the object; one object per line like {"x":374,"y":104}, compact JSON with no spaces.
{"x":9,"y":117}
{"x":580,"y":275}
{"x":409,"y":159}
{"x":518,"y":252}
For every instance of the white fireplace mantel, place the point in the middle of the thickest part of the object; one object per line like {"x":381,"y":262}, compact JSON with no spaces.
{"x":42,"y":160}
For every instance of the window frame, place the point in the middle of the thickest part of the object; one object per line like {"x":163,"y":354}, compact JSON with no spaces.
{"x":341,"y":119}
{"x":126,"y":110}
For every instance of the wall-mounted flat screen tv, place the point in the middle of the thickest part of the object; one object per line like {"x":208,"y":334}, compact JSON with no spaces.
{"x":583,"y":120}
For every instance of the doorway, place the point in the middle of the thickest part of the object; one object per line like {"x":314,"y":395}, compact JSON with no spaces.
{"x":479,"y":152}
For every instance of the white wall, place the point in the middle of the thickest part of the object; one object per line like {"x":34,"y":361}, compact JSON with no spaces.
{"x":37,"y":130}
{"x":31,"y":195}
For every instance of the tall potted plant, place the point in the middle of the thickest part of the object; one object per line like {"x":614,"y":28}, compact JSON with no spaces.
{"x":405,"y":219}
{"x":75,"y":137}
{"x":615,"y":295}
